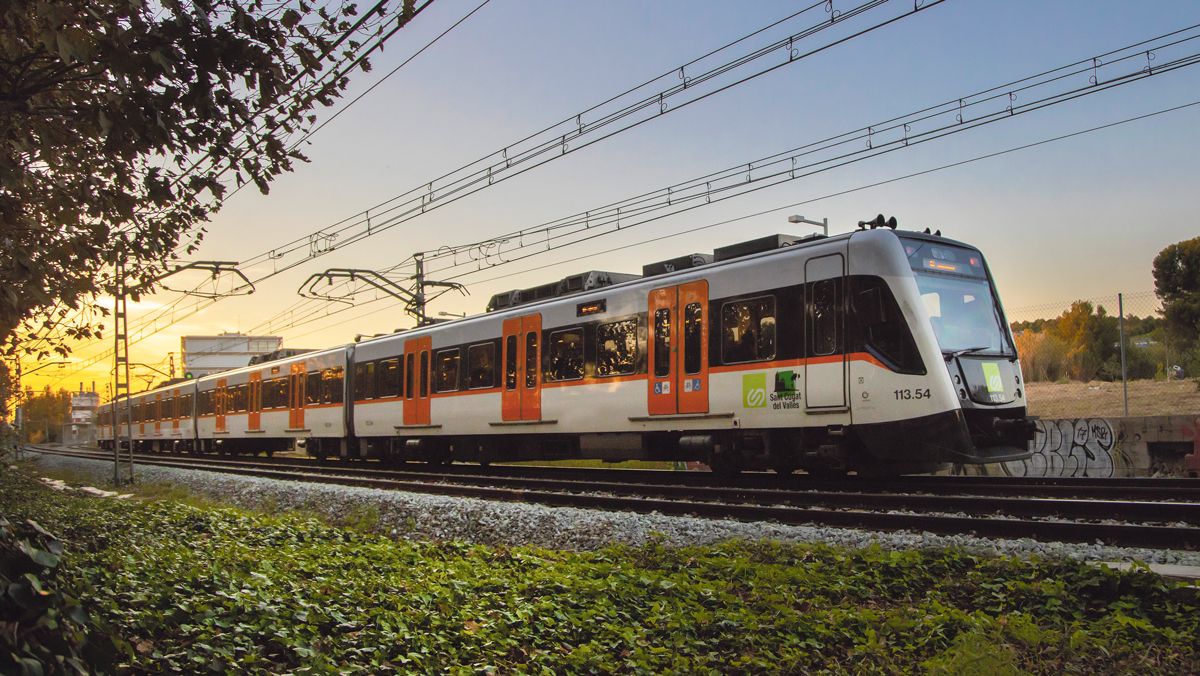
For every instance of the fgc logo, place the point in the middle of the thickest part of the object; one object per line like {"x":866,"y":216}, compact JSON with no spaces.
{"x":754,"y":390}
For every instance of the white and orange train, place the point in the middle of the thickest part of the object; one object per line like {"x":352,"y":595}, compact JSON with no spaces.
{"x":879,"y":351}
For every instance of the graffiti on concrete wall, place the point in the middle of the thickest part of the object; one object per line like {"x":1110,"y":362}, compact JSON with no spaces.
{"x":1080,"y":447}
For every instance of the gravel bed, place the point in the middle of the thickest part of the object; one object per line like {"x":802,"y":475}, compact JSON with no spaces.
{"x":423,"y":516}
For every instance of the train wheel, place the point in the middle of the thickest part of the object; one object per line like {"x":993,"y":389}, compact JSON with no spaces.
{"x":725,"y":461}
{"x":784,"y":468}
{"x":826,"y":473}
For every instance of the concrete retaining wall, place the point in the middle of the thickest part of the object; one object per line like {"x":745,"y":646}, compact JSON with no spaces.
{"x":1108,"y":447}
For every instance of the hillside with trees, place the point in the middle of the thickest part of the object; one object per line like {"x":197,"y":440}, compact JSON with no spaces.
{"x":1084,"y":342}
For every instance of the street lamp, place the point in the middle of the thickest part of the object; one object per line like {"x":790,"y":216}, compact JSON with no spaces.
{"x":823,"y":223}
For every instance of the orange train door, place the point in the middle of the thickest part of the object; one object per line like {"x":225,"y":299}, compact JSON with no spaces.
{"x":417,"y":369}
{"x":158,"y":412}
{"x":221,"y":399}
{"x":296,"y":379}
{"x":678,"y":359}
{"x":175,"y":406}
{"x":522,"y":396}
{"x":254,"y":402}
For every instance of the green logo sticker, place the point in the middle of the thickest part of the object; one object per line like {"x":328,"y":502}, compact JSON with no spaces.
{"x":754,"y":390}
{"x":991,"y":372}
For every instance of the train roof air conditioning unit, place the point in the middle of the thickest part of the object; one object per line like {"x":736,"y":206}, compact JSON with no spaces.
{"x":564,"y":287}
{"x":676,"y":264}
{"x":760,"y":245}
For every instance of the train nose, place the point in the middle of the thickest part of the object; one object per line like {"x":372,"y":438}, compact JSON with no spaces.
{"x":1015,"y":430}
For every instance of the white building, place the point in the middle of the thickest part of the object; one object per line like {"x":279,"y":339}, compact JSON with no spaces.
{"x":81,"y":428}
{"x":206,"y":355}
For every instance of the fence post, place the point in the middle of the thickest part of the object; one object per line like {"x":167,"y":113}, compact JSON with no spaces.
{"x":1124,"y":375}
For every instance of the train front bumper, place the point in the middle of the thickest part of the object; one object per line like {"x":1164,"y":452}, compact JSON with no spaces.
{"x":971,"y":437}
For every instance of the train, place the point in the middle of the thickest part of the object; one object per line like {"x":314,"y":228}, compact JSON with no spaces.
{"x":877,"y":352}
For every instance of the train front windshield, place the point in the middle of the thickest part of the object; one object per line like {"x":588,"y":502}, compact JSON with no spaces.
{"x":958,"y":295}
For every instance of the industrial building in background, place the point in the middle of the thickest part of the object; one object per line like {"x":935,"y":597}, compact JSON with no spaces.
{"x":206,"y":355}
{"x":81,"y":425}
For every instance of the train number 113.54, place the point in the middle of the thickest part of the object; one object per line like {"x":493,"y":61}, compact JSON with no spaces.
{"x":913,"y":394}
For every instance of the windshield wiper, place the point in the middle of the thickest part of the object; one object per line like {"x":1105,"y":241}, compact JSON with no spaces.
{"x":965,"y":350}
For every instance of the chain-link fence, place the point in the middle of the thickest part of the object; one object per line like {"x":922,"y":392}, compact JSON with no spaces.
{"x":1105,"y":357}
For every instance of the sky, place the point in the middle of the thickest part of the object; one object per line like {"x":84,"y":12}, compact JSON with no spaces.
{"x":1080,"y":218}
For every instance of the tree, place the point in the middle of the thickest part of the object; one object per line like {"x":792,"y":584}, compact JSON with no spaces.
{"x":45,"y":414}
{"x":1177,"y":284}
{"x":119,"y":119}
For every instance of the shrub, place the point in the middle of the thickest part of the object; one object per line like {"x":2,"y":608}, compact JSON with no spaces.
{"x":43,"y":631}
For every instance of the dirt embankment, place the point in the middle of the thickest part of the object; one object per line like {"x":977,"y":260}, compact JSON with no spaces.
{"x":1099,"y":399}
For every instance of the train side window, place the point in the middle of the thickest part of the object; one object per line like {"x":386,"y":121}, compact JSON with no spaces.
{"x":364,"y":380}
{"x":312,"y":388}
{"x":616,"y":348}
{"x":332,"y":385}
{"x":748,"y":330}
{"x":409,"y":373}
{"x":447,"y":370}
{"x":565,"y":352}
{"x":389,"y":377}
{"x":270,"y":398}
{"x":824,"y":314}
{"x":879,"y":327}
{"x":662,"y":342}
{"x":481,"y":366}
{"x":423,"y":376}
{"x":279,"y":398}
{"x":510,"y":363}
{"x":693,"y":332}
{"x":531,"y":359}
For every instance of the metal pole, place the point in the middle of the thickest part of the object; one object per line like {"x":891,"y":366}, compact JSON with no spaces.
{"x":20,"y":413}
{"x":1124,"y":374}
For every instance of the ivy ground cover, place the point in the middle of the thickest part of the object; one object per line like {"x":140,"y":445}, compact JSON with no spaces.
{"x":187,"y":588}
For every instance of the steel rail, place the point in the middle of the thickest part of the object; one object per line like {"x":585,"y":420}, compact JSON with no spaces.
{"x":1124,"y":488}
{"x":853,"y":510}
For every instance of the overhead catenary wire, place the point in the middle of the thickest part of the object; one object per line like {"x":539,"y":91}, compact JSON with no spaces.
{"x":783,"y":167}
{"x":176,"y":310}
{"x":354,"y":58}
{"x":337,"y":313}
{"x":322,"y":242}
{"x":544,"y":147}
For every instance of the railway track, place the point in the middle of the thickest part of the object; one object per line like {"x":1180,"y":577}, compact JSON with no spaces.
{"x":1137,"y":512}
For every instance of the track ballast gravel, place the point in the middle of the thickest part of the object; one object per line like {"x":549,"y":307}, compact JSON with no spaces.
{"x":423,"y":516}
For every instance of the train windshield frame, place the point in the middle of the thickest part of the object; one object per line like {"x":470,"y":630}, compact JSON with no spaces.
{"x":960,"y":298}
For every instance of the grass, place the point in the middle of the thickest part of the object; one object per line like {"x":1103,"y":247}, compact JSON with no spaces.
{"x":211,"y":588}
{"x":1105,"y":400}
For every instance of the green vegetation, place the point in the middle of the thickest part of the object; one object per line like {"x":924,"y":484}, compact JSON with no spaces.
{"x":45,"y":415}
{"x":122,"y":125}
{"x":1083,"y":343}
{"x":223,"y":590}
{"x":41,"y":629}
{"x":1177,"y":283}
